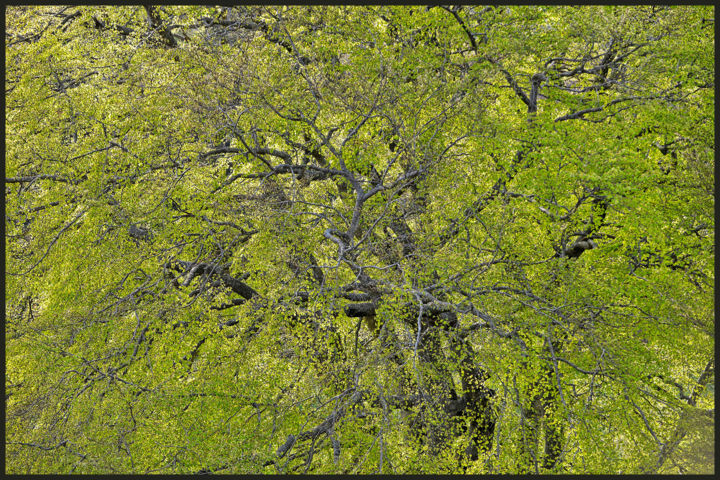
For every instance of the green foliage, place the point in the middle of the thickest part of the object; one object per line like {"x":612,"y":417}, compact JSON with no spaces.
{"x":337,"y":239}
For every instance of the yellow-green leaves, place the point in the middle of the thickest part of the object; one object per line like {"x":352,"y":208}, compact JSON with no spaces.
{"x":445,"y":239}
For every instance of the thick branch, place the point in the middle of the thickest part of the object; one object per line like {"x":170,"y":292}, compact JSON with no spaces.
{"x":513,"y":84}
{"x":32,"y":178}
{"x":237,"y":286}
{"x":157,"y":23}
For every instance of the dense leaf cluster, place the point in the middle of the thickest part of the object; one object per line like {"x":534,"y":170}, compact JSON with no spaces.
{"x":359,"y":239}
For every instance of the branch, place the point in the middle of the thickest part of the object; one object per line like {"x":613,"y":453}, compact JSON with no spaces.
{"x":255,"y":25}
{"x":237,"y":286}
{"x":157,"y":23}
{"x":454,"y":11}
{"x":680,"y":432}
{"x":32,"y":178}
{"x":41,"y":447}
{"x":360,"y":309}
{"x":100,"y":25}
{"x":326,"y":427}
{"x":257,"y":151}
{"x":581,"y":113}
{"x":54,"y":240}
{"x":478,"y":205}
{"x":516,"y":88}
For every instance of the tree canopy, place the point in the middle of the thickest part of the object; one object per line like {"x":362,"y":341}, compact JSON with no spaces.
{"x":345,"y":239}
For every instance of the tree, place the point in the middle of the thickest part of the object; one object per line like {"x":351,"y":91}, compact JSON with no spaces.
{"x":359,"y":239}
